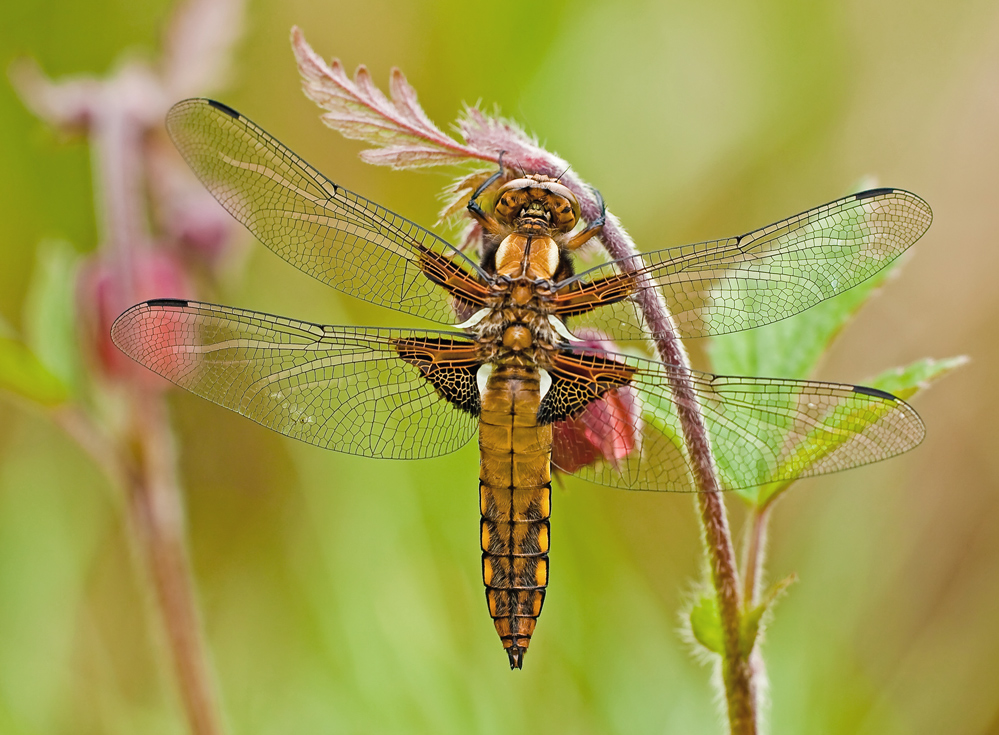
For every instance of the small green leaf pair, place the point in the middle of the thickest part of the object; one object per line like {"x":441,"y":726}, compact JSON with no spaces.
{"x":705,"y":622}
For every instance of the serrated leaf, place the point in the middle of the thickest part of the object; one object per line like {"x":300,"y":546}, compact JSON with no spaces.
{"x":705,"y":624}
{"x":50,"y":311}
{"x":906,"y":382}
{"x":660,"y":415}
{"x":764,"y":494}
{"x":23,"y":374}
{"x":845,"y":425}
{"x":752,"y":619}
{"x":402,"y":134}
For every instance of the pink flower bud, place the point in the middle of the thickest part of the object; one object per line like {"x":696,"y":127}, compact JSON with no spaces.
{"x":106,"y":290}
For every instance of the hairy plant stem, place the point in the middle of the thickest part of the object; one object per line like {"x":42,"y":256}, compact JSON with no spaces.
{"x":737,"y":673}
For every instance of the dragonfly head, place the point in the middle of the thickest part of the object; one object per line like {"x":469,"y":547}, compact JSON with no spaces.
{"x":537,"y":204}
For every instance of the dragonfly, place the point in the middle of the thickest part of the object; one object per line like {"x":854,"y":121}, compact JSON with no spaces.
{"x":508,"y":361}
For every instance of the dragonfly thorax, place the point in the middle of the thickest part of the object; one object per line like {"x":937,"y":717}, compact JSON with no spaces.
{"x":531,"y":256}
{"x":517,"y":326}
{"x":517,"y":337}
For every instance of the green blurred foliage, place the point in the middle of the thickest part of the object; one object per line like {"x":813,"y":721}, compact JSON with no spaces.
{"x":24,"y":375}
{"x":50,"y":312}
{"x":344,"y":595}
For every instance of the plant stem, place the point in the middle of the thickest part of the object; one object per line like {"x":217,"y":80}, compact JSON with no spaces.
{"x":154,"y":499}
{"x":737,"y":673}
{"x":756,"y":551}
{"x":156,"y":513}
{"x":119,"y":114}
{"x":156,"y":518}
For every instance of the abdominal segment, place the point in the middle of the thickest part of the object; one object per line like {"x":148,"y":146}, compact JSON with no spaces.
{"x":515,"y":502}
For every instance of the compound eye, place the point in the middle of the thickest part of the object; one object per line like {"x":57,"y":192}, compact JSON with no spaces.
{"x":509,"y":205}
{"x":565,"y":212}
{"x":508,"y":201}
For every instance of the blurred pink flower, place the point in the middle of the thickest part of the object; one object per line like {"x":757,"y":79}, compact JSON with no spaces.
{"x":102,"y":296}
{"x":192,"y":222}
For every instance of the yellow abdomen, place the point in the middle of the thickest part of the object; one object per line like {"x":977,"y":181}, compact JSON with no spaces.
{"x":515,"y":501}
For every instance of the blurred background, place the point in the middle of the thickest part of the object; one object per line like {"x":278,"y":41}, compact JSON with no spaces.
{"x":344,"y":595}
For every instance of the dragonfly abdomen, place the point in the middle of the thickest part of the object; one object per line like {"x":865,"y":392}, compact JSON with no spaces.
{"x":515,"y":502}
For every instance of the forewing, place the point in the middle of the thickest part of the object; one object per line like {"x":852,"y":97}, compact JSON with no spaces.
{"x":332,"y":234}
{"x":761,"y":430}
{"x":765,"y":275}
{"x":341,"y":388}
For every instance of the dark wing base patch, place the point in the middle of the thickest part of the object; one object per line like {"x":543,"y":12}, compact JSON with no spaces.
{"x":449,"y":365}
{"x":469,"y":292}
{"x":578,"y":378}
{"x":581,"y":297}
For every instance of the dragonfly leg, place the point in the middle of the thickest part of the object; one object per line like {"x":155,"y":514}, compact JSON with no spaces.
{"x":595,"y":226}
{"x":488,"y":222}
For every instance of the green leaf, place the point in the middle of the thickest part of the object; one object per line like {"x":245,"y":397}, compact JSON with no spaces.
{"x":903,"y":382}
{"x":754,"y":618}
{"x":661,"y":421}
{"x":765,"y":494}
{"x":23,"y":374}
{"x":50,"y":311}
{"x":705,"y":623}
{"x":906,"y":382}
{"x":793,"y":347}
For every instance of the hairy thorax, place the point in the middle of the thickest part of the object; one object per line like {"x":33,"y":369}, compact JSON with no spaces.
{"x":517,"y":327}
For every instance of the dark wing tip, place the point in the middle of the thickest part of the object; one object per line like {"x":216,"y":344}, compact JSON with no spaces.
{"x":875,"y":393}
{"x":127,"y":318}
{"x":871,"y":193}
{"x":182,"y":109}
{"x":912,"y":429}
{"x":224,"y":108}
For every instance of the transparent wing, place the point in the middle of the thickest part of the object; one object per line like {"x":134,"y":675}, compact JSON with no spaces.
{"x":765,"y":275}
{"x":761,"y":430}
{"x":340,"y":388}
{"x":334,"y":235}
